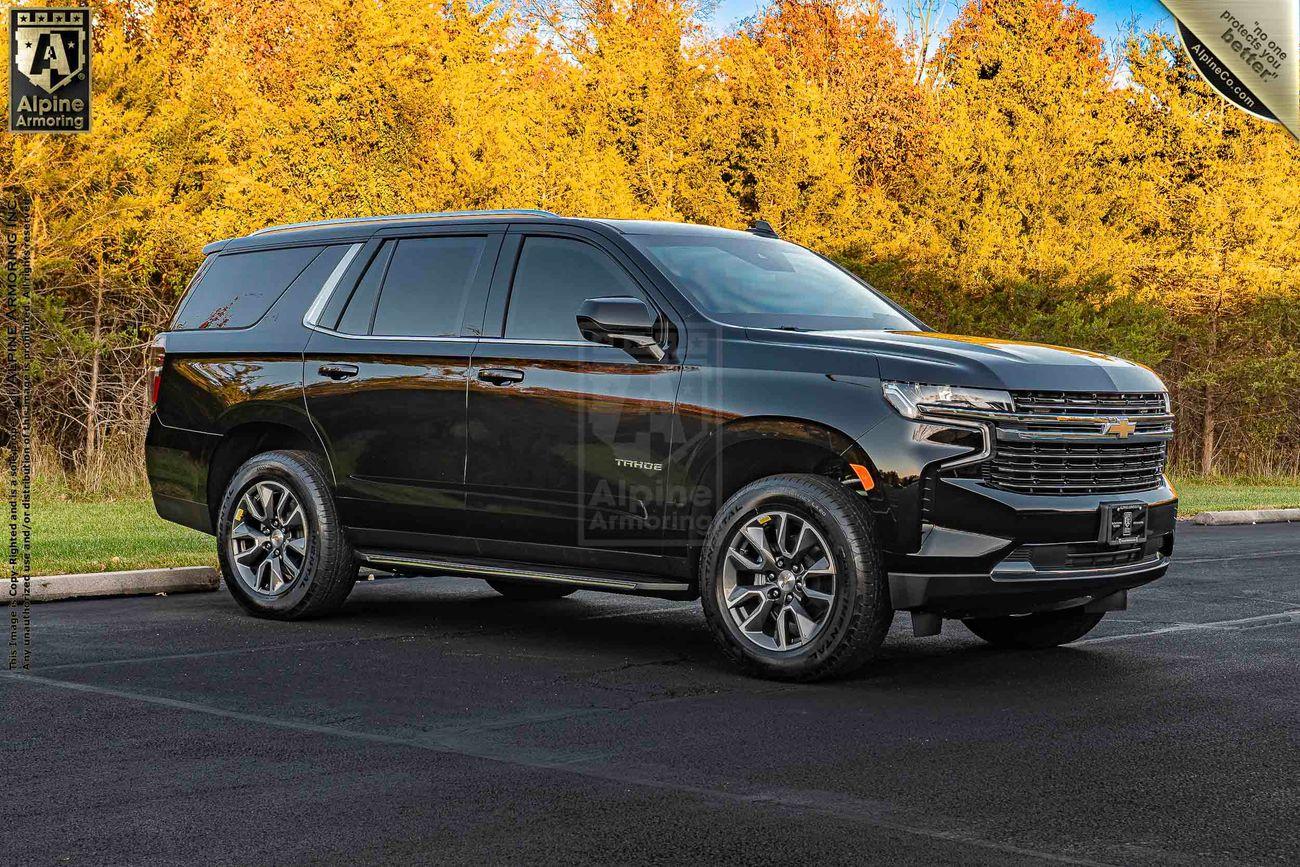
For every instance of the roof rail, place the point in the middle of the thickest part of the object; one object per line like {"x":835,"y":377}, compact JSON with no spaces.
{"x":503,"y":212}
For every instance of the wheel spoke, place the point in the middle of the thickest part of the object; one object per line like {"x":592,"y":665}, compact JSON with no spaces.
{"x":267,"y":498}
{"x":251,"y":507}
{"x":782,"y":641}
{"x":801,"y":543}
{"x":758,"y":538}
{"x":263,"y":574}
{"x":819,"y":596}
{"x":245,"y":530}
{"x":285,"y":508}
{"x":277,"y":574}
{"x":744,"y":593}
{"x":782,"y":523}
{"x":754,"y":622}
{"x":822,"y":567}
{"x":752,"y":565}
{"x":803,"y":620}
{"x":298,"y":546}
{"x":295,"y":517}
{"x":247,"y":558}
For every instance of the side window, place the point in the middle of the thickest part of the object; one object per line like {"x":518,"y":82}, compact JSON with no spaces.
{"x":426,"y":285}
{"x":361,"y":306}
{"x":237,"y":289}
{"x":554,"y":276}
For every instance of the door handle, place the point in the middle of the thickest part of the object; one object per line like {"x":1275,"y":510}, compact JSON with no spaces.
{"x":338,"y":371}
{"x":501,"y":375}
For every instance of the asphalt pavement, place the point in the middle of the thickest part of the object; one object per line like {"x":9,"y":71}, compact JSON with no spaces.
{"x":433,"y":721}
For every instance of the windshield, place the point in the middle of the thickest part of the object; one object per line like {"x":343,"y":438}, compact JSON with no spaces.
{"x":768,"y":283}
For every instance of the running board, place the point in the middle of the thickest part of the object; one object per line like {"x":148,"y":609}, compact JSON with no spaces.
{"x":421,"y":564}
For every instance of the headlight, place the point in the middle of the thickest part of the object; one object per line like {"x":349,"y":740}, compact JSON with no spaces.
{"x":907,"y":397}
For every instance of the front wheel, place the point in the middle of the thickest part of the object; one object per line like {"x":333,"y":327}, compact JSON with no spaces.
{"x":281,"y":545}
{"x":1035,"y":631}
{"x":791,"y":579}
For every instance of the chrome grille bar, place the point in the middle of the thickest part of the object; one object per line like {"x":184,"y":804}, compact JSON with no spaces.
{"x":1058,"y":443}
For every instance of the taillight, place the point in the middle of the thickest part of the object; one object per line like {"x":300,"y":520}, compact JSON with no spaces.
{"x":157,"y":355}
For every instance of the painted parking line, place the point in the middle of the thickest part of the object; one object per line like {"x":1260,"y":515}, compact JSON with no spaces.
{"x":1281,"y":618}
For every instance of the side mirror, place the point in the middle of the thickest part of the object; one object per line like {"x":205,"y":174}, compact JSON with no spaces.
{"x":625,"y":322}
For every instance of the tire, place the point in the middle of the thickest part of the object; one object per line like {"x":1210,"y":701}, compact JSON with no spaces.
{"x":526,"y":591}
{"x":844,"y":631}
{"x":320,"y":575}
{"x":1035,"y":631}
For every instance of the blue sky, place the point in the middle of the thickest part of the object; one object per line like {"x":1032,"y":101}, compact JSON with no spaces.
{"x":1111,"y":14}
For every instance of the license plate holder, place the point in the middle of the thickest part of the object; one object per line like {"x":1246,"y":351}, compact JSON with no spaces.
{"x":1123,"y":523}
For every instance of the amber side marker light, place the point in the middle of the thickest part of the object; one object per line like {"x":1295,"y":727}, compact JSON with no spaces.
{"x":864,"y":476}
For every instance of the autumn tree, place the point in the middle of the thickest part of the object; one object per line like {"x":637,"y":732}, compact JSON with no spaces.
{"x":1220,"y":249}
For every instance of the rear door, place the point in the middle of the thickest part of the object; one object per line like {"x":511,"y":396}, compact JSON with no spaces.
{"x":386,"y":373}
{"x":568,"y":439}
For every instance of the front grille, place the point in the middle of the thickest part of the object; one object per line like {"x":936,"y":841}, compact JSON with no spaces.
{"x":1098,"y":403}
{"x":1086,"y":467}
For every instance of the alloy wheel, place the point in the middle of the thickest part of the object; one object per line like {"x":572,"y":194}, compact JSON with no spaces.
{"x":778,"y":581}
{"x":268,"y":538}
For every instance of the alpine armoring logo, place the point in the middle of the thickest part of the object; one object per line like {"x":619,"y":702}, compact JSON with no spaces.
{"x":49,"y":70}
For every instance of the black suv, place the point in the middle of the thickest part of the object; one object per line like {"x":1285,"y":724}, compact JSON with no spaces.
{"x":671,"y":410}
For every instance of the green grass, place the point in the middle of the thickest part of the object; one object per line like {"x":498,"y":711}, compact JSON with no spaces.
{"x":110,"y":535}
{"x":1197,"y":495}
{"x":74,"y":535}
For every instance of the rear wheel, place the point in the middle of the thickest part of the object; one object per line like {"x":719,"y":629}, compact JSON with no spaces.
{"x":525,"y":591}
{"x":282,"y":549}
{"x":791,"y":579}
{"x":1035,"y":631}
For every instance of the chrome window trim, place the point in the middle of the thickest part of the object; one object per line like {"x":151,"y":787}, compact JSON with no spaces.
{"x":327,"y":289}
{"x":544,"y":341}
{"x":413,"y":337}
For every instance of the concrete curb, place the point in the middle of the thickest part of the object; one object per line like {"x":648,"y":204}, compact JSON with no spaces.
{"x":1247,"y":516}
{"x":139,"y":582}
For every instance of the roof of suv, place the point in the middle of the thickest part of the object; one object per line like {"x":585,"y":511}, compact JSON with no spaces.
{"x":357,"y":228}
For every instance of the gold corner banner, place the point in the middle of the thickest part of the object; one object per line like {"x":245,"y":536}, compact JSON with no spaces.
{"x":1248,"y":50}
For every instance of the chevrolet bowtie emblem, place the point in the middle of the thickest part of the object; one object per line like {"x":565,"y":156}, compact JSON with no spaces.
{"x":1120,"y":427}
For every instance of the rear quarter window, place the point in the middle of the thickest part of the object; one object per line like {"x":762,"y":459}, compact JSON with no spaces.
{"x":234,"y":290}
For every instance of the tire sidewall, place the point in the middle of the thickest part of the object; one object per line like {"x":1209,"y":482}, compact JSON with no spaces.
{"x":853,"y":577}
{"x":271,"y":467}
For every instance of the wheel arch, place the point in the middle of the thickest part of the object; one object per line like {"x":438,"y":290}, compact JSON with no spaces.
{"x":249,"y":438}
{"x":749,"y":449}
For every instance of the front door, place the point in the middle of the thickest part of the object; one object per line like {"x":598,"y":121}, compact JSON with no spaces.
{"x":386,"y":375}
{"x":568,"y":440}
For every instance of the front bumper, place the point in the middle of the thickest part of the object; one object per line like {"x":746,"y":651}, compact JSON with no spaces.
{"x":982,"y":595}
{"x":992,"y":552}
{"x":957,"y":545}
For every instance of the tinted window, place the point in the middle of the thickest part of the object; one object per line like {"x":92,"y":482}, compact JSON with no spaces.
{"x":426,"y":284}
{"x":748,"y":280}
{"x":361,"y":306}
{"x":554,"y":276}
{"x":237,"y":289}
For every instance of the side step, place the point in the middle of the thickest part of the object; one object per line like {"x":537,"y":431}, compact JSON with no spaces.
{"x":612,"y":582}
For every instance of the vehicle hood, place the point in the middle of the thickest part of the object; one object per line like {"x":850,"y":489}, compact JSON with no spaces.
{"x":981,"y":362}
